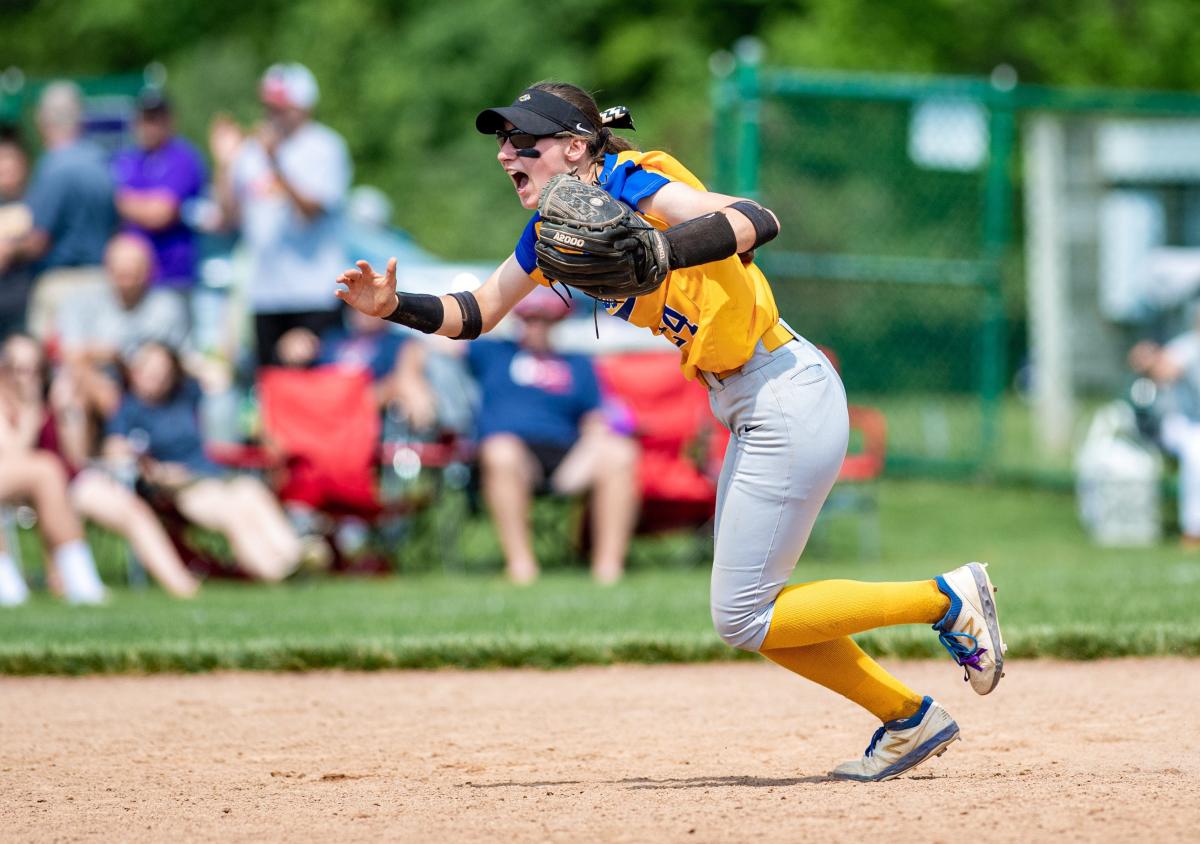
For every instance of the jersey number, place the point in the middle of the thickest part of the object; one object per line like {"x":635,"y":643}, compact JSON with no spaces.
{"x":675,"y":323}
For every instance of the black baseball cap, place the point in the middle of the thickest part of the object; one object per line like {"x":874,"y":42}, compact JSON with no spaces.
{"x":538,"y":113}
{"x":152,"y":101}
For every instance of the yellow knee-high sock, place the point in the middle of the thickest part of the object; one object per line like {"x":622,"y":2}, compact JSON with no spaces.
{"x":842,"y":666}
{"x":808,"y":613}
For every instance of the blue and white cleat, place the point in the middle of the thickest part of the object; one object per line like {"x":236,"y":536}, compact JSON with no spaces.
{"x":902,"y":744}
{"x":970,"y":630}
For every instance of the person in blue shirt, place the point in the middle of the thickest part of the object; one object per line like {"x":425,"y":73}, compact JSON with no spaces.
{"x":158,"y":426}
{"x":71,"y":199}
{"x":541,"y":427}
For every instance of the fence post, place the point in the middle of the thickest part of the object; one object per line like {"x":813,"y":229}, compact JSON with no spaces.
{"x":1047,"y":277}
{"x":997,"y":235}
{"x":749,"y":107}
{"x":725,"y":102}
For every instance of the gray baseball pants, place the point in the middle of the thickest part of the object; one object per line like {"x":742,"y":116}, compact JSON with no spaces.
{"x":786,"y":411}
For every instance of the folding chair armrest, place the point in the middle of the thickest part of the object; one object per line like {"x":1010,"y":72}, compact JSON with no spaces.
{"x":243,"y":456}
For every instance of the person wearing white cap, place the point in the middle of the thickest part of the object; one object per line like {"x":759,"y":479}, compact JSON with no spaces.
{"x":285,"y":186}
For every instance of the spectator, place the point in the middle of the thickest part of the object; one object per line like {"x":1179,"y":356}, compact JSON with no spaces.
{"x":362,"y":342}
{"x":1175,"y":367}
{"x":285,"y":187}
{"x":71,"y":199}
{"x":153,"y":181}
{"x":38,"y":477}
{"x":541,"y":426}
{"x":158,"y":425}
{"x":127,"y":312}
{"x":60,"y":426}
{"x":96,"y":330}
{"x":16,"y":222}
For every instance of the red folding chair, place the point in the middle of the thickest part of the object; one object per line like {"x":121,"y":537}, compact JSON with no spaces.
{"x":682,"y":444}
{"x":322,"y":448}
{"x":324,"y":422}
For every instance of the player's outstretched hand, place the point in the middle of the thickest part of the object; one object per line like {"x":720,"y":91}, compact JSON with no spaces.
{"x":368,"y":291}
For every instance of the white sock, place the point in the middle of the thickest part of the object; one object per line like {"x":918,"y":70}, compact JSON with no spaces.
{"x":81,"y":581}
{"x":13,"y":590}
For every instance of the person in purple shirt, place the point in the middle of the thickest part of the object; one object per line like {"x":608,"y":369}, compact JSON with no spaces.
{"x":153,"y":181}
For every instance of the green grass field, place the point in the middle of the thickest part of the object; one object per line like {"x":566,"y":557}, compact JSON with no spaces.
{"x":1058,"y":597}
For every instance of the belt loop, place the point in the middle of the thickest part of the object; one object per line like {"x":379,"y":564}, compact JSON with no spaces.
{"x":710,"y":379}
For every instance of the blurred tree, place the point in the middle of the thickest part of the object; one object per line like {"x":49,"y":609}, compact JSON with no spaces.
{"x":402,"y":80}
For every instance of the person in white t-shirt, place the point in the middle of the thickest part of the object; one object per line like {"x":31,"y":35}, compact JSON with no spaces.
{"x":95,"y":329}
{"x":284,"y":187}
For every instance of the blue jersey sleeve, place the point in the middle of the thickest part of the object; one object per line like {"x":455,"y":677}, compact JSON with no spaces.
{"x":526,"y":257}
{"x":628,"y":182}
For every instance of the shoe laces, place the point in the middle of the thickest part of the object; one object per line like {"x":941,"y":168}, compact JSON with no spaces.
{"x":875,"y":740}
{"x":965,"y":655}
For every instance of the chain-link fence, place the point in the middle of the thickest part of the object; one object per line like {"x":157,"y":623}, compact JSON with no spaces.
{"x":896,"y":198}
{"x":905,"y":202}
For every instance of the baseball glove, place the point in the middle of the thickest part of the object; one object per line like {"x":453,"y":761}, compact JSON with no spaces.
{"x":594,"y":243}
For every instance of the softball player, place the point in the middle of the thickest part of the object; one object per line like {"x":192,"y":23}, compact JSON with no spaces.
{"x":778,"y":395}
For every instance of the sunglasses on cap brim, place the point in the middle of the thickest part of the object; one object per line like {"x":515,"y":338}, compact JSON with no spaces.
{"x":523,"y":140}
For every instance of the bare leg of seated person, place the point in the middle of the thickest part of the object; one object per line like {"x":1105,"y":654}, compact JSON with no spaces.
{"x":39,"y":477}
{"x":212,"y":503}
{"x":261,"y":504}
{"x":114,"y":507}
{"x":607,"y":464}
{"x":509,"y":471}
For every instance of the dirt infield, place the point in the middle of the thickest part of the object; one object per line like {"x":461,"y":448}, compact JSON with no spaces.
{"x":1076,"y":751}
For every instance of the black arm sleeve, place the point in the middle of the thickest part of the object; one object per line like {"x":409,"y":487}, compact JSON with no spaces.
{"x":472,"y":318}
{"x":765,"y":227}
{"x":701,"y":240}
{"x":711,"y":237}
{"x":418,"y":310}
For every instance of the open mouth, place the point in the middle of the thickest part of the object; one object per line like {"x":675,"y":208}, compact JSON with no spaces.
{"x":520,"y":180}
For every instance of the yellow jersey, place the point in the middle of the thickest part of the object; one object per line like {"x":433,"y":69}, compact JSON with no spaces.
{"x":714,"y":313}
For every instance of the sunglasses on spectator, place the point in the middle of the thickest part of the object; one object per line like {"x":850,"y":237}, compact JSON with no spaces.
{"x":523,"y":140}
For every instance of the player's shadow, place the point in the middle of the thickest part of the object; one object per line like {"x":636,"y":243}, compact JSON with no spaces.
{"x":537,"y":784}
{"x":722,"y":782}
{"x":644,"y":783}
